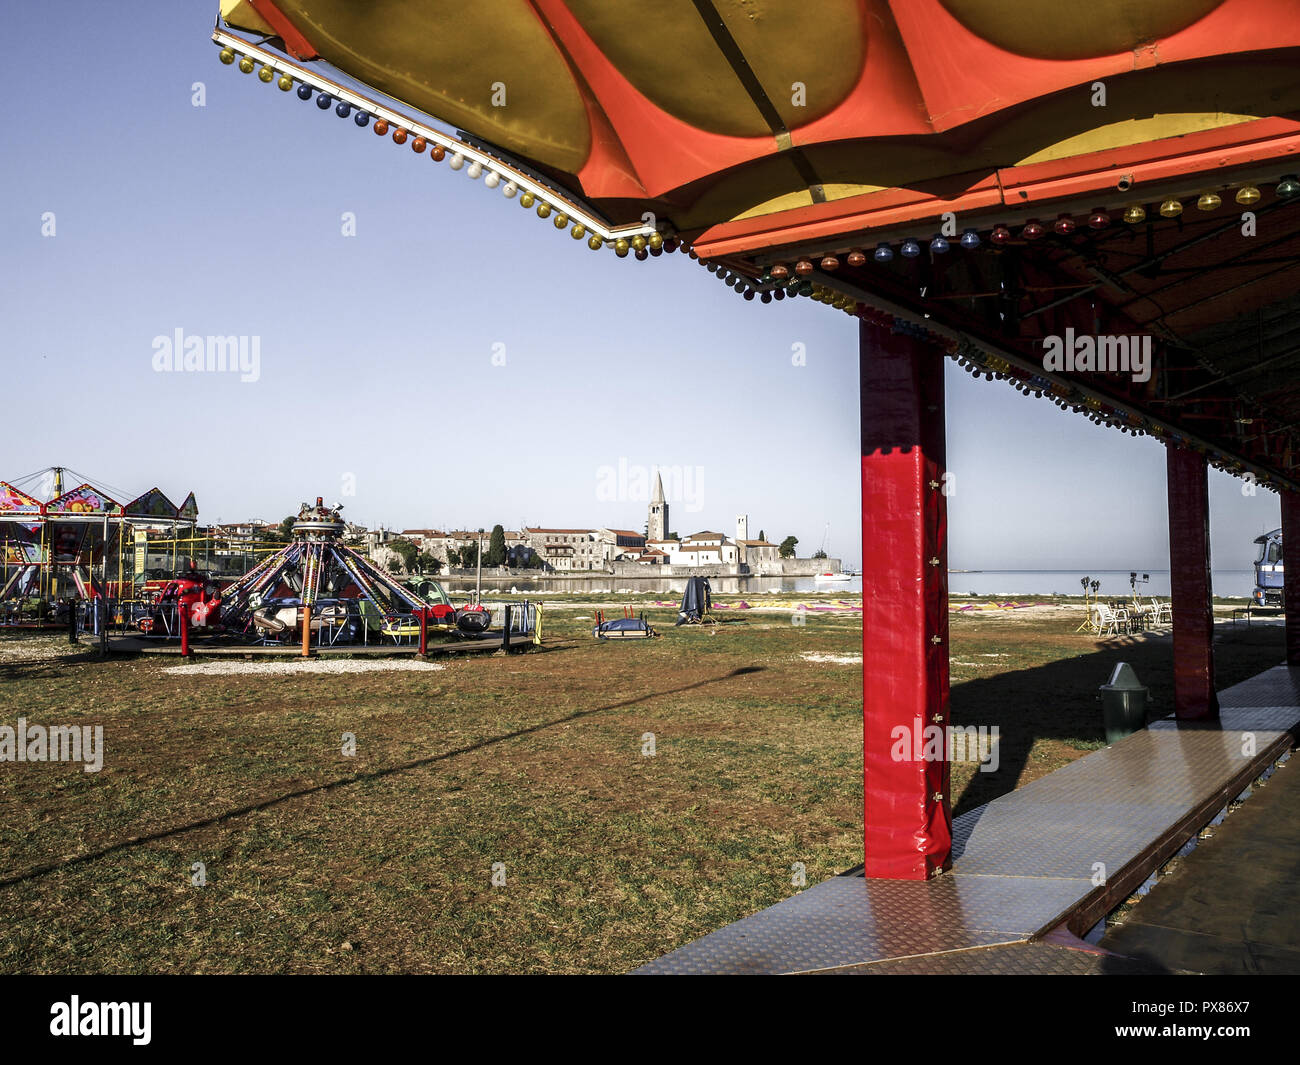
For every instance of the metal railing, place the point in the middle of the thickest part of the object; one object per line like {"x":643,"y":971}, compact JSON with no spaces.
{"x":362,"y":625}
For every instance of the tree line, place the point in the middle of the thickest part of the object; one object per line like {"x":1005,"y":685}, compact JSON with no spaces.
{"x":495,"y":553}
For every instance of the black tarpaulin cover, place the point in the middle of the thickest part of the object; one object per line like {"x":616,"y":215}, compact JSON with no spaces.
{"x":696,"y":601}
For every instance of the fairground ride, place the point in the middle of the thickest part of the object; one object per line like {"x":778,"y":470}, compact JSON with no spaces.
{"x":60,"y":546}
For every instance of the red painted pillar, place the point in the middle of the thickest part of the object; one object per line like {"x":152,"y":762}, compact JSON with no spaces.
{"x":1291,"y":573}
{"x":1189,"y":578}
{"x":905,"y":596}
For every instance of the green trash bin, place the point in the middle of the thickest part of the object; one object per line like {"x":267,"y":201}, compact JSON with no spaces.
{"x":1123,"y":703}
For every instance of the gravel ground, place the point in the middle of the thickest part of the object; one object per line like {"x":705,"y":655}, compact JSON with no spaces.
{"x":221,"y":669}
{"x":838,"y":660}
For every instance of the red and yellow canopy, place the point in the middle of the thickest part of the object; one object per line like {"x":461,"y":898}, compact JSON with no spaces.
{"x":710,"y":112}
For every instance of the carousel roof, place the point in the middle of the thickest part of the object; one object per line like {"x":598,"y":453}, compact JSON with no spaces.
{"x":33,"y":498}
{"x":987,"y":173}
{"x":713,"y":111}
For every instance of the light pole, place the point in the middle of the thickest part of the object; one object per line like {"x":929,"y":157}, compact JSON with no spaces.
{"x":478,"y":576}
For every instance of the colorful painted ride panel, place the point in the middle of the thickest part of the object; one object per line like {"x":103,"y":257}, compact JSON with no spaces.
{"x":16,"y":501}
{"x":85,"y":499}
{"x":153,"y":504}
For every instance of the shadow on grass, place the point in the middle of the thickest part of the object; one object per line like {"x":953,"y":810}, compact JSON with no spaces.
{"x":47,"y":667}
{"x":357,"y":778}
{"x":1058,"y":700}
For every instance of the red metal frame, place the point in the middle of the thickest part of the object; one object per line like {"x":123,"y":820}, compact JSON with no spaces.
{"x":908,"y":832}
{"x":1189,"y":578}
{"x":294,"y":41}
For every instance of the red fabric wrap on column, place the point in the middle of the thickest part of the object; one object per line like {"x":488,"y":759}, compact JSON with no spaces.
{"x":908,"y":822}
{"x":1291,"y":573}
{"x":1189,"y":579}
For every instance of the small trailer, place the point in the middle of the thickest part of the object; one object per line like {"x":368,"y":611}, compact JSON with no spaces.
{"x":1268,"y":570}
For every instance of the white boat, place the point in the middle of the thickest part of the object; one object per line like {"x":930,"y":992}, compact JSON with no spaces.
{"x":828,"y":577}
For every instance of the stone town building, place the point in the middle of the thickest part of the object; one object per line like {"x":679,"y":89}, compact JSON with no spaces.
{"x":579,"y":550}
{"x":708,"y":548}
{"x":572,"y":550}
{"x":236,"y":532}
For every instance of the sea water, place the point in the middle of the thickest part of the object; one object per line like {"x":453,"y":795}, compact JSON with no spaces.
{"x":1114,"y":584}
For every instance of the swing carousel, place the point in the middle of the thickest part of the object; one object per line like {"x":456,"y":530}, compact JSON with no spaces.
{"x":319,"y":590}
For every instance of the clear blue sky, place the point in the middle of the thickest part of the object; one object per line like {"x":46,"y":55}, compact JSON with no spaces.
{"x":376,"y":350}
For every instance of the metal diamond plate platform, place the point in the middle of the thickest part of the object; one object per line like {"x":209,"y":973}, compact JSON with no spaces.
{"x":1268,"y":718}
{"x":1015,"y":959}
{"x":1022,"y":863}
{"x":848,"y":919}
{"x":1279,"y":686}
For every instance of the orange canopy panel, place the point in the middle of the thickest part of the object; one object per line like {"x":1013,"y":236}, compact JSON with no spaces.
{"x":714,"y":112}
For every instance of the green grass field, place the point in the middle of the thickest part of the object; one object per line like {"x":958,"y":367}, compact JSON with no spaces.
{"x":383,"y":861}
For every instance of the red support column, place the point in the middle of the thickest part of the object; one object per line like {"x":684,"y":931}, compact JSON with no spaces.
{"x":1291,"y":573}
{"x":1189,"y":578}
{"x":905,"y":599}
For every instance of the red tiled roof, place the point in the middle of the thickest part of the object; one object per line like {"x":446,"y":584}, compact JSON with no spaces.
{"x":541,"y":530}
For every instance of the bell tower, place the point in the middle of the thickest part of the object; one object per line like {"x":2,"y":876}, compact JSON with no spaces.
{"x":657,"y":523}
